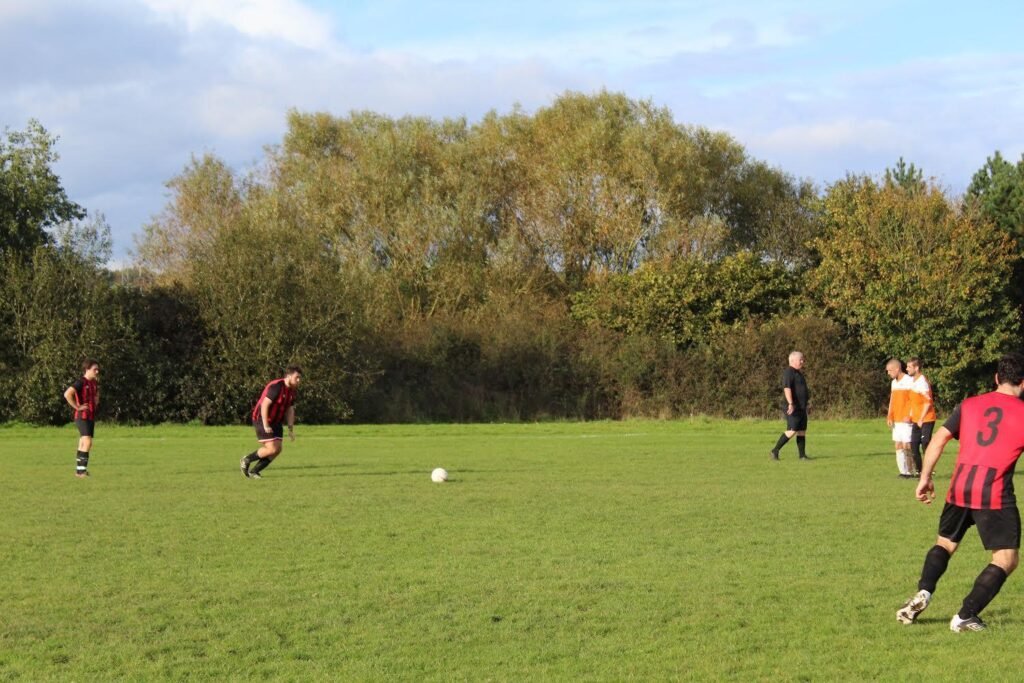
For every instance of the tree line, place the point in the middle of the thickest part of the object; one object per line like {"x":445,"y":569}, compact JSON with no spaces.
{"x":594,"y":259}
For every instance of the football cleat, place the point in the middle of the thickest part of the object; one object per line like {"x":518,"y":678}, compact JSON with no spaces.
{"x":959,"y":625}
{"x":245,"y":467}
{"x":912,"y":607}
{"x":775,"y":455}
{"x":254,"y":475}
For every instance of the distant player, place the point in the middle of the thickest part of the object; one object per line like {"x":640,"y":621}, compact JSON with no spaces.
{"x":922,"y":412}
{"x":899,"y":417}
{"x":275,"y":406}
{"x":84,"y":398}
{"x":798,"y":404}
{"x":990,"y":428}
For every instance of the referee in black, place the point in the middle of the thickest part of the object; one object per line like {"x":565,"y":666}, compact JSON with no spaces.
{"x":798,"y":398}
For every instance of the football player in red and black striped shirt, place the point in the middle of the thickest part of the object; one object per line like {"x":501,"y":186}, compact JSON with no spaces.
{"x":84,"y":398}
{"x":990,"y":429}
{"x":275,"y":406}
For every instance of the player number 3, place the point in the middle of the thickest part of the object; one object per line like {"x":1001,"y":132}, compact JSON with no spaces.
{"x":993,"y":426}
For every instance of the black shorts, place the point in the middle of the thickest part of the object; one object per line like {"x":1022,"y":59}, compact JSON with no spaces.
{"x":797,"y":422}
{"x":276,"y":432}
{"x":998,"y":529}
{"x":85,"y":427}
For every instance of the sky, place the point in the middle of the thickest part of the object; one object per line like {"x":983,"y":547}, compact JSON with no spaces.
{"x":135,"y":88}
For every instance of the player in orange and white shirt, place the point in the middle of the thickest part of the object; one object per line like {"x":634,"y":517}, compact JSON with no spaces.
{"x":899,"y":417}
{"x":922,"y":412}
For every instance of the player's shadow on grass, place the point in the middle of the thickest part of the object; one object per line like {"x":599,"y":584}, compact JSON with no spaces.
{"x":315,"y":467}
{"x":873,"y":455}
{"x":388,"y":473}
{"x":212,"y":470}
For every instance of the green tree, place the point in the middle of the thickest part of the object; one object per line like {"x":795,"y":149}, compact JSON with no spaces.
{"x":435,"y":262}
{"x":63,"y":307}
{"x":916,"y":274}
{"x":997,"y":189}
{"x":688,"y":301}
{"x":772,"y":214}
{"x":32,"y":200}
{"x":267,"y":289}
{"x":908,"y":178}
{"x":997,"y":193}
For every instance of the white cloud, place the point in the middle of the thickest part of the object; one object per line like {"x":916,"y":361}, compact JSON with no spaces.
{"x":239,"y":111}
{"x":831,"y":136}
{"x":618,"y":46}
{"x":287,"y":20}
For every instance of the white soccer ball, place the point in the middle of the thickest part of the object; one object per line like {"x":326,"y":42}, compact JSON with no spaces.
{"x":438,"y":475}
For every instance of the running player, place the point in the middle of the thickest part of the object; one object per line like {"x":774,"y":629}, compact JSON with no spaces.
{"x":899,"y":418}
{"x":275,"y":406}
{"x":990,"y":429}
{"x":922,"y":412}
{"x":84,"y":398}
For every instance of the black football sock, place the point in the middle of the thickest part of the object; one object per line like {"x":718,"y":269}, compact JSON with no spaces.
{"x":986,"y":587}
{"x":261,"y":464}
{"x":249,"y":458}
{"x":801,"y":446}
{"x":935,"y":563}
{"x":81,"y":461}
{"x":783,"y":440}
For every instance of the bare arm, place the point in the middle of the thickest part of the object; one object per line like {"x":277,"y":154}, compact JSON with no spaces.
{"x":925,"y":487}
{"x":290,"y":416}
{"x":71,"y":396}
{"x":888,"y":416}
{"x":925,"y":407}
{"x":789,"y":399}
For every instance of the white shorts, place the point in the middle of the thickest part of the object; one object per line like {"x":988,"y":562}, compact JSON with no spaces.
{"x":901,"y":432}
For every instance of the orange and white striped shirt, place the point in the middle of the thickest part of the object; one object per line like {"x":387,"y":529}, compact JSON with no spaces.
{"x":900,"y":401}
{"x":922,"y":403}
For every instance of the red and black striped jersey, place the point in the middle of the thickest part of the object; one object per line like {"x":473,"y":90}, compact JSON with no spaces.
{"x":85,"y":393}
{"x":282,"y":398}
{"x":990,"y":428}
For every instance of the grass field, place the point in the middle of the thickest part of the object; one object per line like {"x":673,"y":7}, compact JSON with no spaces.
{"x":598,"y":551}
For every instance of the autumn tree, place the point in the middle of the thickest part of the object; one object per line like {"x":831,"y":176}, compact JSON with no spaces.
{"x":915,"y":273}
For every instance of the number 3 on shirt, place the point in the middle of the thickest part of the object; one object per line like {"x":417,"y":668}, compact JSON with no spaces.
{"x":993,"y":426}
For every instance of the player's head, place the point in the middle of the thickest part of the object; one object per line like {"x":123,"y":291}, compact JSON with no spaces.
{"x":90,"y":368}
{"x":913,"y":366}
{"x":894,"y":367}
{"x":292,"y":375}
{"x":796,"y":359}
{"x":1010,"y":370}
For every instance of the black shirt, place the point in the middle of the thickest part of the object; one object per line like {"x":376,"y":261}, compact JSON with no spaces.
{"x":794,"y":379}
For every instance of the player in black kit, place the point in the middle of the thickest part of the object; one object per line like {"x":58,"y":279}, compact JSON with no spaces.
{"x":798,"y":401}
